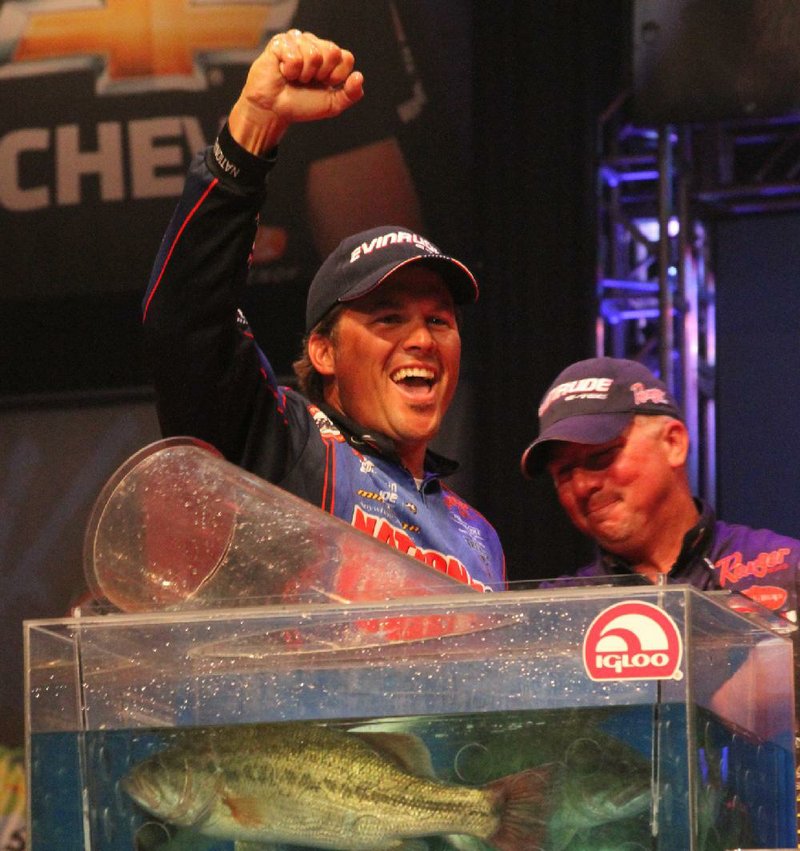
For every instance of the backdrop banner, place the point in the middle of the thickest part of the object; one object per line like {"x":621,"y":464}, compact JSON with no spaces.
{"x":102,"y":106}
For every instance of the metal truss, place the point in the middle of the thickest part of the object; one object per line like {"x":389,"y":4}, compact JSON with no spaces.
{"x":747,"y":166}
{"x":658,"y":190}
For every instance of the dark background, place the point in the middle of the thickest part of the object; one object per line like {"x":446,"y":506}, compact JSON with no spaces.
{"x":523,"y":97}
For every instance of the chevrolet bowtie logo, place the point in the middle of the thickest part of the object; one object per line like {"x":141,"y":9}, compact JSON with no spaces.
{"x":139,"y":44}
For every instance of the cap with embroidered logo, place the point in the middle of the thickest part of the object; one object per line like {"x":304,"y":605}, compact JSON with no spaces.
{"x":593,"y":401}
{"x":362,"y":262}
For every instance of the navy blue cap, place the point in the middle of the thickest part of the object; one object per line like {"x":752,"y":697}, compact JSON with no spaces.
{"x":362,"y":262}
{"x":592,"y":402}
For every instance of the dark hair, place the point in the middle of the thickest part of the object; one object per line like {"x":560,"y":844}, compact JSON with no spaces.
{"x":309,"y":381}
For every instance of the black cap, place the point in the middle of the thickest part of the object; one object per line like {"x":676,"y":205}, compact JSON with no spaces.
{"x":593,"y":401}
{"x":362,"y":262}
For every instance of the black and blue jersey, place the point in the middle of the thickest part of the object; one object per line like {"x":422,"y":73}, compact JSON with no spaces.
{"x":214,"y":382}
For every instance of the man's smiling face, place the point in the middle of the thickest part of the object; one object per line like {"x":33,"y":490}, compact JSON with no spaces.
{"x":616,"y":492}
{"x":393,"y":359}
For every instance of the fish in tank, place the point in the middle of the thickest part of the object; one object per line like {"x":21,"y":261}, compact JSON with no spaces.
{"x":557,"y":780}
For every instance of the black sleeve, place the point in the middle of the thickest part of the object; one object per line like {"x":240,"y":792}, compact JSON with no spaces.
{"x":209,"y":376}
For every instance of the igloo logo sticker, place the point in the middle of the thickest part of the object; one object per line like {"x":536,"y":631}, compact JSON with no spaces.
{"x":633,"y":641}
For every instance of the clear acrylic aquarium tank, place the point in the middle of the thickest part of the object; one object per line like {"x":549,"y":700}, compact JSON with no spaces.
{"x":471,"y":690}
{"x":417,"y":713}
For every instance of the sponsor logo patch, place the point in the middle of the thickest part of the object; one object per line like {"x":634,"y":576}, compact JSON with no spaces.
{"x":642,"y":395}
{"x":583,"y":388}
{"x":398,"y":236}
{"x":633,"y":640}
{"x":733,"y":568}
{"x":381,"y":529}
{"x":769,"y":596}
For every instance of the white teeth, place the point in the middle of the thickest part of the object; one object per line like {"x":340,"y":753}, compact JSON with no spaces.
{"x":413,"y":372}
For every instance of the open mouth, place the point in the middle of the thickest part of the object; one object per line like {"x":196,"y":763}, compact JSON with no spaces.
{"x":415,"y":379}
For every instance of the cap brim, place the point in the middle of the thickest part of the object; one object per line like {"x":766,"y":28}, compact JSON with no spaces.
{"x":585,"y":428}
{"x":460,"y":281}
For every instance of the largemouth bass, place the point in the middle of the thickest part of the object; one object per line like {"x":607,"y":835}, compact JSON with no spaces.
{"x":304,"y":784}
{"x":597,"y":780}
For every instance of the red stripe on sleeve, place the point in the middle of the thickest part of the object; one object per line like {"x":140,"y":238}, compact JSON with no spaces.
{"x":186,"y":221}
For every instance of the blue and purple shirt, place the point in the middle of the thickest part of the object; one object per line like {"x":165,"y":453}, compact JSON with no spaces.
{"x":758,"y":563}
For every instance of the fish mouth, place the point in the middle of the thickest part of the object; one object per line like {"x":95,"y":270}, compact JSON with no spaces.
{"x":144,"y":792}
{"x":178,"y":801}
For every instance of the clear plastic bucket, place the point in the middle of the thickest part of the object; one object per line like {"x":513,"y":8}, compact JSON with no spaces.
{"x":177,"y":527}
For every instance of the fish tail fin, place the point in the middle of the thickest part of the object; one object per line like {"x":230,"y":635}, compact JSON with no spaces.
{"x":524,"y":804}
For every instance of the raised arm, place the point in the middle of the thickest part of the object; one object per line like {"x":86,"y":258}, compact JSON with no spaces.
{"x":208,"y":374}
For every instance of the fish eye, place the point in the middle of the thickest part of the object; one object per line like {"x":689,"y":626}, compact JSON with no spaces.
{"x":151,"y":835}
{"x":584,"y":756}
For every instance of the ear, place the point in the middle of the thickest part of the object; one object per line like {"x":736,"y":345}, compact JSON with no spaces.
{"x":676,"y":442}
{"x":322,"y":354}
